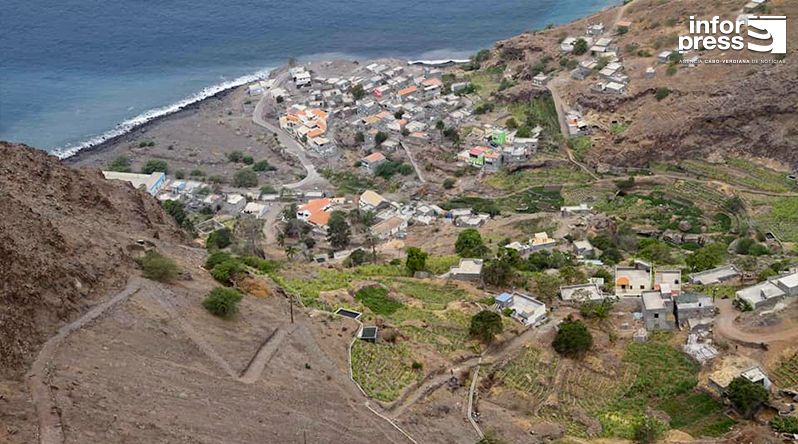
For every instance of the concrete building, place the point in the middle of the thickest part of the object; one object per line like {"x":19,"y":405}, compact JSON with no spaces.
{"x":668,"y":281}
{"x":234,"y":203}
{"x":541,"y":241}
{"x":693,"y":306}
{"x":151,"y":183}
{"x":255,"y":209}
{"x":389,"y":228}
{"x":580,"y":209}
{"x":372,"y":201}
{"x":770,"y":292}
{"x":632,"y":281}
{"x":467,"y":270}
{"x":525,"y":309}
{"x":372,"y":161}
{"x":583,"y":248}
{"x":718,"y":275}
{"x":658,"y":311}
{"x":581,"y":293}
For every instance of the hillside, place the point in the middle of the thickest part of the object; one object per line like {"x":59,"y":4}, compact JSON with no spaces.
{"x":65,"y":235}
{"x":712,"y":110}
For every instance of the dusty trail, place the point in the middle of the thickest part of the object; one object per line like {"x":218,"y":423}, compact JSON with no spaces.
{"x":50,"y":427}
{"x":725,"y":326}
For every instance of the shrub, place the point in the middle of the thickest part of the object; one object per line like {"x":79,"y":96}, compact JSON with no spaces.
{"x":222,"y":302}
{"x":262,"y":165}
{"x":235,"y":156}
{"x":154,"y":165}
{"x":485,"y":325}
{"x":178,"y":211}
{"x":245,"y":178}
{"x":784,"y":424}
{"x":226,"y":271}
{"x":573,"y":338}
{"x":416,"y":365}
{"x":157,"y":267}
{"x":180,"y":174}
{"x":379,"y":138}
{"x":378,"y":301}
{"x":248,"y":160}
{"x":219,"y":239}
{"x":448,"y":183}
{"x":662,"y":93}
{"x":357,"y":92}
{"x":120,"y":164}
{"x":580,"y":47}
{"x":216,"y":258}
{"x":648,"y":430}
{"x":196,"y":173}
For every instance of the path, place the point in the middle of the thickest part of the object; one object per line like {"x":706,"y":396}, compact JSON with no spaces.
{"x":50,"y":428}
{"x":725,"y":326}
{"x":313,"y":180}
{"x":560,"y":107}
{"x":413,"y":162}
{"x":471,"y":391}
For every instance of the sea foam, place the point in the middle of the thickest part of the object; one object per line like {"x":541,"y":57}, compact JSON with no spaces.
{"x":147,"y":116}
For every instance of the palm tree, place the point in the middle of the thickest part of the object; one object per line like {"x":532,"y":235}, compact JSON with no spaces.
{"x":290,"y":251}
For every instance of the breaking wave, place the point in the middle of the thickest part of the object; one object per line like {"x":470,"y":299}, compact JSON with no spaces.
{"x":148,"y":116}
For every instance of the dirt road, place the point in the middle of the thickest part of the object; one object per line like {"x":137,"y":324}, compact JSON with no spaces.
{"x":725,"y":326}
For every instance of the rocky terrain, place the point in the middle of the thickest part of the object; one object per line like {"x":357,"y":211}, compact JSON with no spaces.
{"x":65,"y":235}
{"x":742,"y":109}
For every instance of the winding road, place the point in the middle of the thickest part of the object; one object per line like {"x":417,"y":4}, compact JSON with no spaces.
{"x":313,"y":180}
{"x":725,"y":326}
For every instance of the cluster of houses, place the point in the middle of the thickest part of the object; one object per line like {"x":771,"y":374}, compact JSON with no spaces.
{"x":495,"y":146}
{"x":604,"y":58}
{"x":308,"y":125}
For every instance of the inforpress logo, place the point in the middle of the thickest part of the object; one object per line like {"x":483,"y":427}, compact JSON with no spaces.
{"x":766,"y":28}
{"x":764,"y":34}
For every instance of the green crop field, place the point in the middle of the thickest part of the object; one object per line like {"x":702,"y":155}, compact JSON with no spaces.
{"x":383,"y":370}
{"x":433,"y":296}
{"x":786,"y":374}
{"x":740,"y":172}
{"x":557,"y":175}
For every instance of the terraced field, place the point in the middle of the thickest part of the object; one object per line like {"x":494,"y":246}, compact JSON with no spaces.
{"x":383,"y":370}
{"x":529,"y":375}
{"x":786,"y":374}
{"x":740,"y":172}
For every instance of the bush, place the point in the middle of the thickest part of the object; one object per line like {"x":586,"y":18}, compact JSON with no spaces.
{"x":580,"y":47}
{"x":222,"y":302}
{"x":379,"y":138}
{"x":216,"y":258}
{"x":746,"y":396}
{"x":784,"y":424}
{"x":180,"y":174}
{"x":448,"y":184}
{"x":248,"y":160}
{"x":154,"y":165}
{"x":178,"y":211}
{"x":378,"y":301}
{"x":219,"y":239}
{"x":485,"y":325}
{"x":357,"y":92}
{"x":648,"y":430}
{"x":262,"y":165}
{"x":662,"y":93}
{"x":226,"y":271}
{"x":120,"y":164}
{"x":573,"y":338}
{"x":245,"y":178}
{"x":157,"y":267}
{"x":235,"y":156}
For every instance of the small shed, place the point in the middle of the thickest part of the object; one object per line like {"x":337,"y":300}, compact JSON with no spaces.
{"x":368,"y":334}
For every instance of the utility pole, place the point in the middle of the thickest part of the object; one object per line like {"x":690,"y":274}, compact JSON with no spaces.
{"x":291,"y":306}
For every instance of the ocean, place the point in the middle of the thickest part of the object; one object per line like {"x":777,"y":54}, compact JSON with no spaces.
{"x":73,"y":72}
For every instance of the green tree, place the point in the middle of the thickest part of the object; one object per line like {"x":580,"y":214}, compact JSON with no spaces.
{"x":379,"y":138}
{"x":357,"y":92}
{"x":177,"y":210}
{"x":157,"y":267}
{"x":746,"y":396}
{"x":485,"y":325}
{"x":580,"y":47}
{"x":120,"y":164}
{"x":155,"y":165}
{"x":706,"y":257}
{"x":573,"y":338}
{"x":338,"y":230}
{"x":222,"y":302}
{"x":500,"y":272}
{"x":469,"y":244}
{"x":224,"y":272}
{"x":219,"y":239}
{"x":245,"y":178}
{"x":416,"y":260}
{"x":784,"y":424}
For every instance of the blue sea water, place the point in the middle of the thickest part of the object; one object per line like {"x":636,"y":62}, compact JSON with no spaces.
{"x":72,"y":70}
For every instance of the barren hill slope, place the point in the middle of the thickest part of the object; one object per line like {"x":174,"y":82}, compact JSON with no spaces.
{"x":712,"y":109}
{"x":64,"y":235}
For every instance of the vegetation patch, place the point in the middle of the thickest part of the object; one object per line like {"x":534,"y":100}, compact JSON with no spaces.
{"x":434,"y":297}
{"x":383,"y":370}
{"x":378,"y":301}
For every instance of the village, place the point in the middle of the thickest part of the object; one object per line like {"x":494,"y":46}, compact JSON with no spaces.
{"x":430,"y":198}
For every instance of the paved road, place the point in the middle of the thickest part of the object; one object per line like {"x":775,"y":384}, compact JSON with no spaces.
{"x":313,"y":180}
{"x":725,"y":326}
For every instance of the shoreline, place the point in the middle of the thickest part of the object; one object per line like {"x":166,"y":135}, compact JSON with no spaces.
{"x":146,"y":119}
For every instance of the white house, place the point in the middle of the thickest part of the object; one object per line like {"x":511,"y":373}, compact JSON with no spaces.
{"x":255,"y":209}
{"x":525,"y":309}
{"x":632,"y":281}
